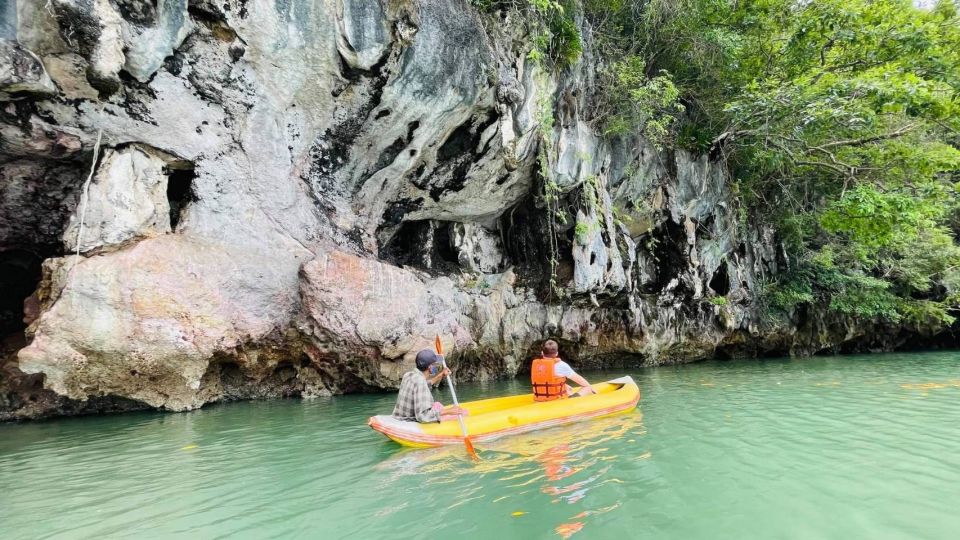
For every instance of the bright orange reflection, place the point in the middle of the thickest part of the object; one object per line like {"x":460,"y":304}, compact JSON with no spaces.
{"x":554,"y":463}
{"x":566,"y":530}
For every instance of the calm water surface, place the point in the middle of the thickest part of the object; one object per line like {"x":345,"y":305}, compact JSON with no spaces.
{"x":849,"y":447}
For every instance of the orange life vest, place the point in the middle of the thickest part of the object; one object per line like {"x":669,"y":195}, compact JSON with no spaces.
{"x":546,"y":385}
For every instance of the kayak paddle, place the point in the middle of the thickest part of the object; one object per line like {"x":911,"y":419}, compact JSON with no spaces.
{"x":453,"y":392}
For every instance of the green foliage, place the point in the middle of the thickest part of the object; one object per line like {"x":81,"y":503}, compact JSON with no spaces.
{"x":621,"y":216}
{"x":719,"y":300}
{"x":591,"y":194}
{"x":926,"y":314}
{"x":643,"y":104}
{"x":839,"y":120}
{"x":556,"y":39}
{"x":582,"y":232}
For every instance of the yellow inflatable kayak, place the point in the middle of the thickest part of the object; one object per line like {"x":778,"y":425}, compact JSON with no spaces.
{"x":493,"y":418}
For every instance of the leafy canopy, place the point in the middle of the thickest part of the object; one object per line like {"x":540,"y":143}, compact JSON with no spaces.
{"x":839,"y":121}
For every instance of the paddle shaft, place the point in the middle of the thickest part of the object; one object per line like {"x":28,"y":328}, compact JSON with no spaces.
{"x":453,"y":393}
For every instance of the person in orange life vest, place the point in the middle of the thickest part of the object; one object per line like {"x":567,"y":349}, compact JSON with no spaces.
{"x":549,"y":375}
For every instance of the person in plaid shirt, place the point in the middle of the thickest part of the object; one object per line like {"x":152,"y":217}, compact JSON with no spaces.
{"x":415,"y":401}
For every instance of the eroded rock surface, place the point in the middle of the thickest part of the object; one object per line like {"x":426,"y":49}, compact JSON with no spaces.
{"x":292,"y":198}
{"x":22,"y":74}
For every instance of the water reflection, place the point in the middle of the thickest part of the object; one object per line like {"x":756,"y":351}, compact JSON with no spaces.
{"x":562,"y":464}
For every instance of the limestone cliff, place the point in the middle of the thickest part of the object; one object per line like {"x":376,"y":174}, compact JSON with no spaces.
{"x":292,"y":198}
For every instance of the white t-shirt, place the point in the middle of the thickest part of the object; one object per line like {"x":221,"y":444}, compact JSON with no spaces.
{"x":562,"y":369}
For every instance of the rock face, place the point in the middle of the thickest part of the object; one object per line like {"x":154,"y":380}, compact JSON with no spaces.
{"x":126,"y":200}
{"x":292,"y":198}
{"x":22,"y":74}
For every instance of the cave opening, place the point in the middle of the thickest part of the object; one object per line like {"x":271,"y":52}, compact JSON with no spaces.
{"x":443,"y":243}
{"x":669,"y":253}
{"x":525,"y":235}
{"x":720,"y":282}
{"x":20,"y":272}
{"x":179,"y":192}
{"x":425,"y":244}
{"x":406,"y":246}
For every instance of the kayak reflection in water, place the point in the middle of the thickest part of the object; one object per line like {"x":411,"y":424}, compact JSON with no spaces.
{"x":415,"y":400}
{"x":554,"y":462}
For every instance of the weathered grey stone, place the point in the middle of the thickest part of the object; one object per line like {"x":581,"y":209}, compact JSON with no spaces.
{"x":364,"y":38}
{"x":93,"y":27}
{"x":478,"y":249}
{"x":127,"y":199}
{"x":149,"y":39}
{"x":22,"y":74}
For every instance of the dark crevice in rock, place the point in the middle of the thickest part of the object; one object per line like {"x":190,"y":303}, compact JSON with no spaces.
{"x":425,"y":244}
{"x":18,"y":113}
{"x":443,"y":244}
{"x":526,"y":246}
{"x":282,"y":373}
{"x":390,"y":153}
{"x":20,"y":272}
{"x":205,"y":12}
{"x":524,"y":227}
{"x":669,"y":255}
{"x":387,"y":156}
{"x":457,"y":179}
{"x":412,"y":128}
{"x":418,"y":173}
{"x":173,"y":63}
{"x":137,"y":97}
{"x":460,"y":142}
{"x":179,"y":193}
{"x":948,"y":339}
{"x":23,"y":397}
{"x":720,"y":283}
{"x":465,"y":139}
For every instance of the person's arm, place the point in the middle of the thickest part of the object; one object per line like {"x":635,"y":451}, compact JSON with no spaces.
{"x":575,"y":377}
{"x":435,"y":380}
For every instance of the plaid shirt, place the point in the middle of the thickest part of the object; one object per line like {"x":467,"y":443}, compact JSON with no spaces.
{"x":415,"y":401}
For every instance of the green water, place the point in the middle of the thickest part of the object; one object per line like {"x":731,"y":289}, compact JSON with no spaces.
{"x":849,"y":447}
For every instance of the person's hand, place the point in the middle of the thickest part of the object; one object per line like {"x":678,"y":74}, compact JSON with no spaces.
{"x":444,"y":372}
{"x":437,"y":407}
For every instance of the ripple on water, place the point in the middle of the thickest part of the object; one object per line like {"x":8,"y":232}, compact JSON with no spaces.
{"x":855,"y":447}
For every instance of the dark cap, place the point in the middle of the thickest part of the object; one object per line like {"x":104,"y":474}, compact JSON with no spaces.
{"x":425,"y":358}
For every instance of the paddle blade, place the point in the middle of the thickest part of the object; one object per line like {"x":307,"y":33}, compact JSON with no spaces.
{"x":438,"y":345}
{"x":470,"y":450}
